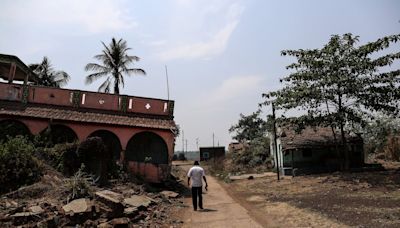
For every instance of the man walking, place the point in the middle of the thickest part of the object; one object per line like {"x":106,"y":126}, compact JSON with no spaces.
{"x":196,"y":173}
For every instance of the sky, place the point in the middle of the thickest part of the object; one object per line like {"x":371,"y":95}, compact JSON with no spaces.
{"x":221,"y":55}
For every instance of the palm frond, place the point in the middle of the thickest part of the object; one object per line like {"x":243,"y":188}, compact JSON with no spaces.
{"x":92,"y":77}
{"x":105,"y":86}
{"x":135,"y":71}
{"x":96,"y":67}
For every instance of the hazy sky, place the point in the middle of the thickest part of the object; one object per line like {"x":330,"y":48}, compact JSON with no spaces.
{"x":221,"y":54}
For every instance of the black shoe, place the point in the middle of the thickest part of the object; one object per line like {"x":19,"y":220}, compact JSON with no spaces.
{"x":201,"y":208}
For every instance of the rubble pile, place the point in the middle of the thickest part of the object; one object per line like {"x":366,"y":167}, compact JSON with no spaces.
{"x":122,"y":205}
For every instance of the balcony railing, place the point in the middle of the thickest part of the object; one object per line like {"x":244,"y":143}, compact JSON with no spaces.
{"x":85,"y":100}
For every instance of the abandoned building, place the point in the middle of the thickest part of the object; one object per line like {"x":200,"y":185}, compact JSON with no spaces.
{"x":138,"y":132}
{"x":212,"y":153}
{"x":314,"y":150}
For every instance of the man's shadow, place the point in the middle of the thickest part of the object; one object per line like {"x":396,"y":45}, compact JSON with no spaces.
{"x":208,"y":210}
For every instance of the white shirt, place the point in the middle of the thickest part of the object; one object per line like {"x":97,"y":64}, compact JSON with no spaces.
{"x":196,"y":173}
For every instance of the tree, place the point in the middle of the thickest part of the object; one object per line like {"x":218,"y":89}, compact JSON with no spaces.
{"x":340,"y":84}
{"x":249,"y":127}
{"x":115,"y":62}
{"x":47,"y":76}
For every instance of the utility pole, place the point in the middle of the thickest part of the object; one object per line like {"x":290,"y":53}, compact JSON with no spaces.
{"x":213,"y":139}
{"x":166,"y":75}
{"x":197,"y":143}
{"x":183,"y":142}
{"x":276,"y":145}
{"x":186,"y":147}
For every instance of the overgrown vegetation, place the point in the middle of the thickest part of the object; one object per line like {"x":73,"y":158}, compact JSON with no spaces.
{"x":382,"y":138}
{"x":79,"y":185}
{"x":253,"y":153}
{"x":18,"y":165}
{"x":340,"y":85}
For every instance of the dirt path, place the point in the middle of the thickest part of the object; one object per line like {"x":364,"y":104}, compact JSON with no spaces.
{"x":220,"y":210}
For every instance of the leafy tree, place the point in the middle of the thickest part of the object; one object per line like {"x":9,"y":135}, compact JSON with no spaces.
{"x":115,"y":62}
{"x":340,"y":84}
{"x":47,"y":76}
{"x":378,"y":133}
{"x":249,"y":127}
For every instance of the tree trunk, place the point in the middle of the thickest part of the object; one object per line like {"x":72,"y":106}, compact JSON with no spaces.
{"x":346,"y":156}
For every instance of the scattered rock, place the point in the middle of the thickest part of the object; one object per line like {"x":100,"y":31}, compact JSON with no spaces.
{"x":36,"y":209}
{"x":112,"y":200}
{"x":77,"y":206}
{"x":24,"y":217}
{"x":131,"y":211}
{"x":119,"y":221}
{"x":169,"y":194}
{"x":140,"y":202}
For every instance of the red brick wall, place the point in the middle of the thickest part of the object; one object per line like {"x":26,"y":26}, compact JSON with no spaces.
{"x":99,"y":101}
{"x":10,"y":92}
{"x":51,"y":96}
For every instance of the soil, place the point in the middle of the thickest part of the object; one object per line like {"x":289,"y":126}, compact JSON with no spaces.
{"x":365,"y":199}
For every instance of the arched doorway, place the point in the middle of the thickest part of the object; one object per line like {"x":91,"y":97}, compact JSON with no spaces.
{"x":58,"y":134}
{"x":111,"y":142}
{"x":12,"y":128}
{"x":147,"y":147}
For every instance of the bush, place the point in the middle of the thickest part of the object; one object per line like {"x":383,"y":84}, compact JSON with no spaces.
{"x":79,"y":185}
{"x":62,"y":157}
{"x":18,"y":166}
{"x":92,"y":153}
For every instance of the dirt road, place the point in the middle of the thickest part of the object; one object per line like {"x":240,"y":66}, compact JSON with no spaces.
{"x":220,"y":210}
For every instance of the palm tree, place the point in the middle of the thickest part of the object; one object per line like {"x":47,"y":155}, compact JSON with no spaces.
{"x":47,"y":76}
{"x":115,"y":62}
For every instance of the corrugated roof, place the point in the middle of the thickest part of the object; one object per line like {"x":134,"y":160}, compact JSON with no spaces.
{"x":312,"y":137}
{"x":88,"y":117}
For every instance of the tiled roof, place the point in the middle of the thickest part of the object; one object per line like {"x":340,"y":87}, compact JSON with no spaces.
{"x":88,"y":117}
{"x":312,"y":137}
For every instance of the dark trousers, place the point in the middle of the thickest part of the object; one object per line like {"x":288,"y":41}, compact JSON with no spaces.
{"x":197,"y":192}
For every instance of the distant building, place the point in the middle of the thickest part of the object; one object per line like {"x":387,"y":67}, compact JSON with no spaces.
{"x":212,"y":153}
{"x":314,"y":150}
{"x":237,"y":147}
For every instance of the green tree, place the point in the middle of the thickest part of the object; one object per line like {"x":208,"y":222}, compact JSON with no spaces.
{"x":340,"y":84}
{"x":115,"y":62}
{"x":47,"y":76}
{"x":249,"y":127}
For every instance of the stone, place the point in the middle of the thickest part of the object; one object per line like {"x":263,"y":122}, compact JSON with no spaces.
{"x":77,"y":206}
{"x":169,"y":194}
{"x":105,"y":225}
{"x":36,"y":209}
{"x":112,"y":200}
{"x":138,"y":201}
{"x":131,"y":211}
{"x":24,"y":217}
{"x":119,"y":221}
{"x":109,"y":197}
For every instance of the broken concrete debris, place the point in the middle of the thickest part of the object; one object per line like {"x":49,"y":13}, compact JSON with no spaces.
{"x":169,"y":194}
{"x":77,"y":206}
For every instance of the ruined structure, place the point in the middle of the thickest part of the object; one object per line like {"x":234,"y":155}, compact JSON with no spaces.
{"x":138,"y":132}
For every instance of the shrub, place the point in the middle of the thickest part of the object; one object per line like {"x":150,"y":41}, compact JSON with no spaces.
{"x":92,"y":153}
{"x":18,"y":166}
{"x":61,"y":157}
{"x":79,"y":185}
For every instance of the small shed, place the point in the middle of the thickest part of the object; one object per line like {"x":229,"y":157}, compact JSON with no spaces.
{"x":315,"y":150}
{"x":212,"y":153}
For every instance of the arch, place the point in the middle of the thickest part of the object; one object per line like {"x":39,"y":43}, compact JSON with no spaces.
{"x":58,"y":133}
{"x":147,"y":146}
{"x":111,"y":142}
{"x":12,"y":128}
